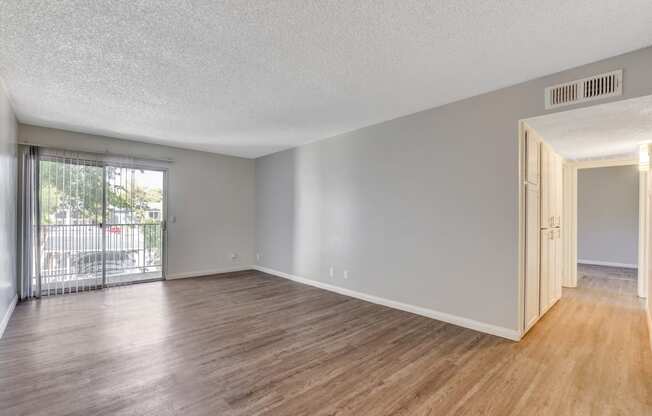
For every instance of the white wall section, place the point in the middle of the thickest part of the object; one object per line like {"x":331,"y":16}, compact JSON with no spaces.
{"x":420,"y":210}
{"x":212,"y":197}
{"x":607,"y":215}
{"x":8,"y":227}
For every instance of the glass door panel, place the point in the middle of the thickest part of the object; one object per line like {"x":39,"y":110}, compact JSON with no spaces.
{"x":134,"y":224}
{"x":70,"y":232}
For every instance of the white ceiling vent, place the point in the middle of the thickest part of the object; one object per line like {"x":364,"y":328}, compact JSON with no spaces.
{"x":582,"y":90}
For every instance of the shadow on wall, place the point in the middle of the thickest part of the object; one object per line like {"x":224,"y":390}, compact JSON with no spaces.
{"x":294,"y":218}
{"x":275,"y":207}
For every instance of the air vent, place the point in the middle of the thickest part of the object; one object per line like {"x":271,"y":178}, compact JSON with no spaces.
{"x":585,"y":89}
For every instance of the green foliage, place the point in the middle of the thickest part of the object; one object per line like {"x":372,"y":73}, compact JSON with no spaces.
{"x":78,"y":189}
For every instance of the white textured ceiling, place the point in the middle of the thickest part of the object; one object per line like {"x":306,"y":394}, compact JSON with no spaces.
{"x":252,"y":77}
{"x":602,"y":131}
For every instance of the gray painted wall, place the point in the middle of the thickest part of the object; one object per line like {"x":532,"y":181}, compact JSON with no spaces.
{"x":8,"y":227}
{"x":607,"y":215}
{"x":422,"y":209}
{"x":212,"y":197}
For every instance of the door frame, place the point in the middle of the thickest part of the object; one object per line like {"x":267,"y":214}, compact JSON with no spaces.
{"x":570,"y":207}
{"x":103,"y":161}
{"x":520,"y":305}
{"x":569,"y":222}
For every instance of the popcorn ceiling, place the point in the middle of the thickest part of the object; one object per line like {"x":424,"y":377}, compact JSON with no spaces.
{"x":599,"y":131}
{"x":248,"y":78}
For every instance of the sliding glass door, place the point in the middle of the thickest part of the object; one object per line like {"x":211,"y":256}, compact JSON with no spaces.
{"x":100,"y":224}
{"x":134,"y":224}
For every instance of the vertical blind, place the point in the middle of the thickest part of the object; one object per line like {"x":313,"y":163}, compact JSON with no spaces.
{"x":28,"y":211}
{"x":94,"y":221}
{"x":71,"y":236}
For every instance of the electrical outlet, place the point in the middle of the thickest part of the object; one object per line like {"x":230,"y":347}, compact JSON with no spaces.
{"x":234,"y":256}
{"x":257,"y":256}
{"x":331,"y":271}
{"x":346,"y":274}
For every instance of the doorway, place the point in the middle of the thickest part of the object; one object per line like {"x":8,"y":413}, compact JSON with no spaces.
{"x":635,"y":255}
{"x":100,"y":224}
{"x":608,"y":220}
{"x":613,"y":135}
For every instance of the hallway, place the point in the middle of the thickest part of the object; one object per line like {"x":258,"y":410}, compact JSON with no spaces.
{"x":598,"y":345}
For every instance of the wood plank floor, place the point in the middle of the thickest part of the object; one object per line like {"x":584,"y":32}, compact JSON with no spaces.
{"x":254,"y":344}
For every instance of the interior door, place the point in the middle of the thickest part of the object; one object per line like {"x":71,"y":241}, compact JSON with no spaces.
{"x":557,"y":189}
{"x":532,"y":230}
{"x":532,"y":258}
{"x":559,"y":264}
{"x":133,"y":224}
{"x":547,"y":265}
{"x":532,"y":169}
{"x":546,"y":188}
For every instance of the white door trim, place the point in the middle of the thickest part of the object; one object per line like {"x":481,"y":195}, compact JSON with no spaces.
{"x":643,"y":233}
{"x":589,"y":164}
{"x":569,"y":242}
{"x":521,"y":227}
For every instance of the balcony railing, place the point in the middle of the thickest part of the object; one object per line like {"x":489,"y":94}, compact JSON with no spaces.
{"x":73,"y":257}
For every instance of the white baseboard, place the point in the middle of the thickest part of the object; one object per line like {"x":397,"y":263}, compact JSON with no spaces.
{"x":186,"y":275}
{"x":607,"y":263}
{"x":510,"y":334}
{"x":5,"y":319}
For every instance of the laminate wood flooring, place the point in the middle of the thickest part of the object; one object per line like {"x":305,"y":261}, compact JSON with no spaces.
{"x":254,"y":344}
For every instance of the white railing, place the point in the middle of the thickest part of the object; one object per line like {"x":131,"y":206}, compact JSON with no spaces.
{"x":74,"y":256}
